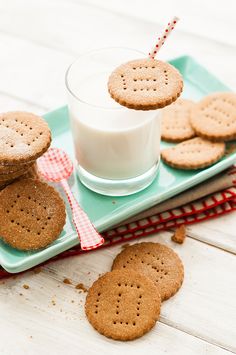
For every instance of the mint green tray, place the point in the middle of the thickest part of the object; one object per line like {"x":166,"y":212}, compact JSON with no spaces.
{"x":107,"y":211}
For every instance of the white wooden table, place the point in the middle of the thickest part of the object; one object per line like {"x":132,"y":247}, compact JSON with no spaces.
{"x":38,"y":40}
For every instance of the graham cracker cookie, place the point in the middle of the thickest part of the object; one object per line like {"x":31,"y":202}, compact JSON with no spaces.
{"x":23,"y":137}
{"x":123,"y":305}
{"x":32,"y":173}
{"x":214,"y":117}
{"x":8,"y":169}
{"x":145,"y":84}
{"x":32,"y":214}
{"x":15,"y":174}
{"x":195,"y":153}
{"x":4,"y":184}
{"x":156,"y":261}
{"x":175,"y":121}
{"x":179,"y":235}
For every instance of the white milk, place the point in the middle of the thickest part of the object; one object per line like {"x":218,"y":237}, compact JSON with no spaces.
{"x":111,"y":141}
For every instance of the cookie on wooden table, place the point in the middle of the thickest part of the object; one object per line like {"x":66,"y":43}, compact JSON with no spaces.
{"x":23,"y":137}
{"x":145,"y":84}
{"x":123,"y":305}
{"x":32,"y":214}
{"x":175,"y":121}
{"x":214,"y":117}
{"x":195,"y":153}
{"x":157,"y":262}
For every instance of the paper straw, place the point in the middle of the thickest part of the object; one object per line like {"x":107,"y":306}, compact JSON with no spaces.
{"x":161,"y":40}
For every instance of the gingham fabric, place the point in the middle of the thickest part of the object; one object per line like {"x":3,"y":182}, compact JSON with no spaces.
{"x":206,"y":208}
{"x":56,"y":166}
{"x":89,"y":237}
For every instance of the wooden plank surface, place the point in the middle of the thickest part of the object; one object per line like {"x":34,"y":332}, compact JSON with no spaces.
{"x":61,"y":332}
{"x":204,"y":307}
{"x":219,"y":232}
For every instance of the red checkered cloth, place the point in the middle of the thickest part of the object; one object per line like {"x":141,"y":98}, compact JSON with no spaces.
{"x":208,"y":207}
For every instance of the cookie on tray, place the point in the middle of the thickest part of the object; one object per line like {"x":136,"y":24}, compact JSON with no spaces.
{"x":175,"y":121}
{"x":23,"y":137}
{"x":195,"y":153}
{"x":157,"y":262}
{"x":123,"y":305}
{"x":214,"y":117}
{"x":32,"y":214}
{"x":145,"y":84}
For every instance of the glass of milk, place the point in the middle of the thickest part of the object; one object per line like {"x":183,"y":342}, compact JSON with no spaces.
{"x":117,"y":149}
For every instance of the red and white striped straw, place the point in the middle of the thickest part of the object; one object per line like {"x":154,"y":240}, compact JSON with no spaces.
{"x":161,"y":40}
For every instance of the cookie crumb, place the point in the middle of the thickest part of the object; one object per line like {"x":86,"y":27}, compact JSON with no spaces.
{"x":37,"y":270}
{"x":81,"y":286}
{"x":26,"y":286}
{"x":179,"y":235}
{"x":67,"y":281}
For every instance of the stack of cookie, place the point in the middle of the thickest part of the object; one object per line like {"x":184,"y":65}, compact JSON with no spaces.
{"x":23,"y":138}
{"x":200,"y":129}
{"x":32,"y":213}
{"x":125,"y":303}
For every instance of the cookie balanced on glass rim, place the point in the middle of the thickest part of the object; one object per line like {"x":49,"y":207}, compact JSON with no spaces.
{"x":148,"y":83}
{"x":145,"y":84}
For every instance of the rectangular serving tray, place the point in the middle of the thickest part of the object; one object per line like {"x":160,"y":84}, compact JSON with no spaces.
{"x":107,"y":211}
